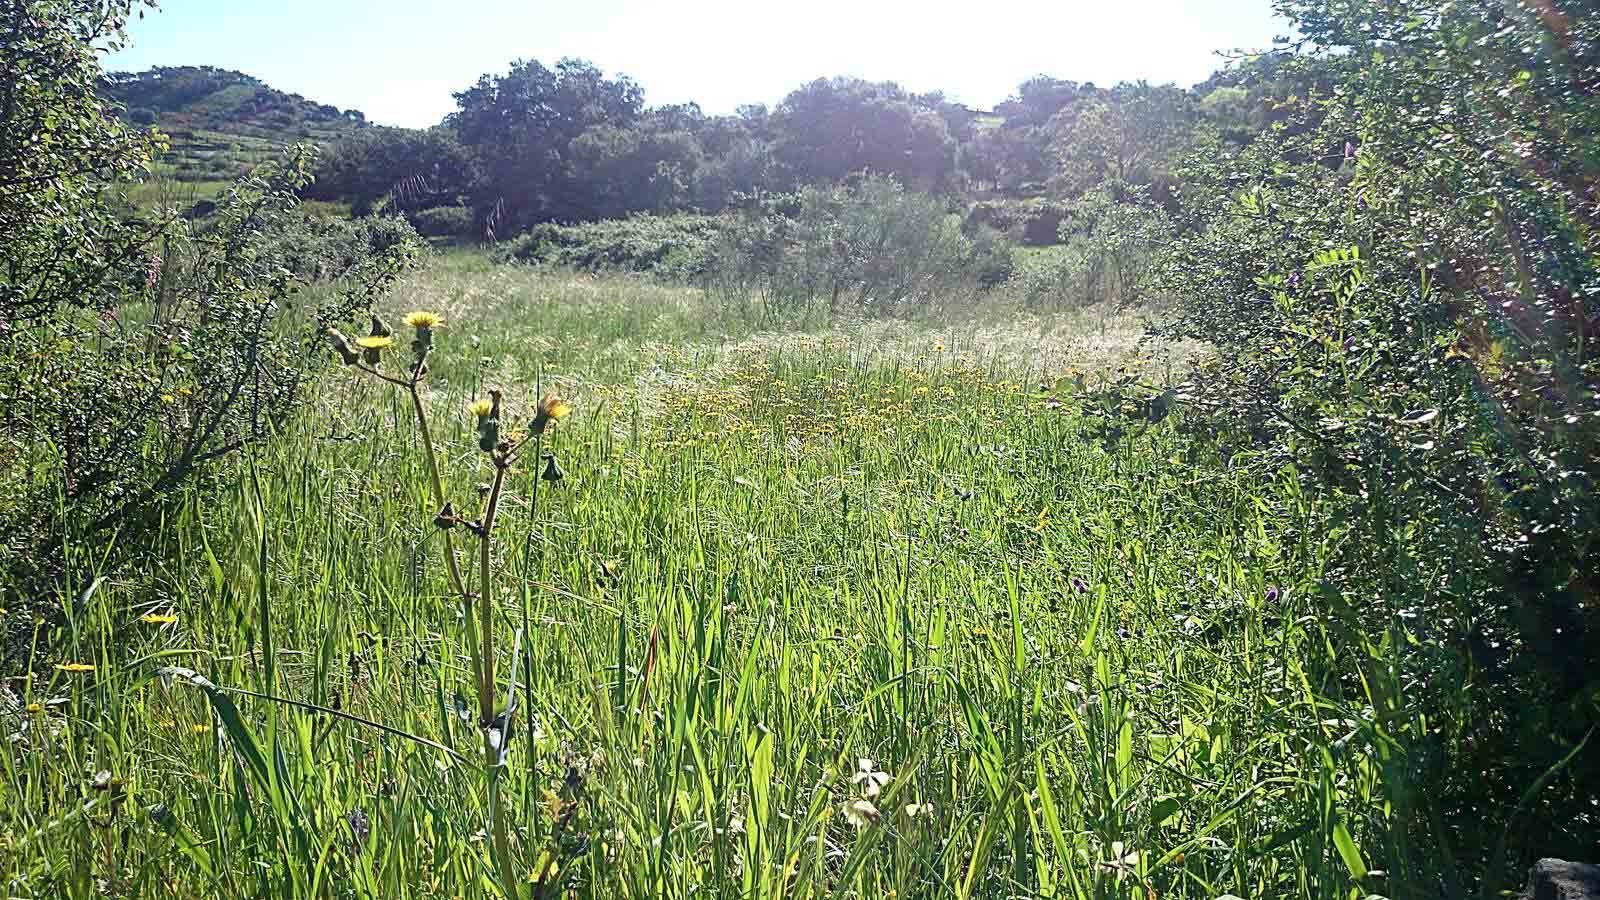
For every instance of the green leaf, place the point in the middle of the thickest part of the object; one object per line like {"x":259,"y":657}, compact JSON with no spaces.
{"x":1348,"y":851}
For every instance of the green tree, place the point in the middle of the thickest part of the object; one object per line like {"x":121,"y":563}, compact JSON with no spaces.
{"x":521,"y":127}
{"x":831,"y":129}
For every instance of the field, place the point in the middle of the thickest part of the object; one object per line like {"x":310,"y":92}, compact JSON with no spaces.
{"x":883,"y":610}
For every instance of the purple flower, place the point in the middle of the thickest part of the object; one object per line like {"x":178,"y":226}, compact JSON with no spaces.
{"x":1294,"y":280}
{"x":1349,"y":150}
{"x":1079,"y":585}
{"x":1122,"y":633}
{"x":1272,"y":594}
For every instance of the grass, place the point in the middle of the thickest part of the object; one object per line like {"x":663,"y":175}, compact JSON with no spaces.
{"x":1088,"y":669}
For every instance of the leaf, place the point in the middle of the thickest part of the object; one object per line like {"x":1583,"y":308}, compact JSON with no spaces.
{"x":1164,"y":811}
{"x":1419,"y":418}
{"x":1348,"y":851}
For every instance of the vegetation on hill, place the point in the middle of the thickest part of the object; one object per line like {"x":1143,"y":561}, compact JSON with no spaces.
{"x":220,"y":124}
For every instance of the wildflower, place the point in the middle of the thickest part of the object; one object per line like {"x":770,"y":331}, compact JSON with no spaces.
{"x":33,"y":708}
{"x":550,"y":409}
{"x":446,"y":518}
{"x":488,"y":421}
{"x":158,"y":619}
{"x":861,"y":813}
{"x":74,"y":667}
{"x":938,"y":348}
{"x":916,"y":810}
{"x":341,"y":345}
{"x":372,"y":347}
{"x":1079,"y":585}
{"x":552,"y":471}
{"x":868,"y":776}
{"x":1272,"y":594}
{"x":424,"y":323}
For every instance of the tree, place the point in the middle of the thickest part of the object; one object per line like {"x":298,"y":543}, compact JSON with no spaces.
{"x":522,"y":125}
{"x":408,"y":169}
{"x":1127,"y":137}
{"x":831,"y":129}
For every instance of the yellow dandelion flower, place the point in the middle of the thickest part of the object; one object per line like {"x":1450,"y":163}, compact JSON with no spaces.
{"x":374,"y":342}
{"x":551,"y":408}
{"x":422,"y":319}
{"x":480,"y":408}
{"x":74,"y":667}
{"x":156,"y":619}
{"x":33,"y":708}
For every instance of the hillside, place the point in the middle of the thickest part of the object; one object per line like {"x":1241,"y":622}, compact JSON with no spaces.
{"x":222,"y":123}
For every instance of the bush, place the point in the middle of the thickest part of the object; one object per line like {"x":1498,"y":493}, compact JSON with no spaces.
{"x":443,"y":221}
{"x":1110,"y":243}
{"x":1034,"y":222}
{"x":327,"y":248}
{"x":675,"y":248}
{"x":871,"y":247}
{"x":1401,"y":287}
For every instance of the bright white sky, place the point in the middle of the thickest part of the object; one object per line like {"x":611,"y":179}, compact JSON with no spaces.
{"x":399,"y":60}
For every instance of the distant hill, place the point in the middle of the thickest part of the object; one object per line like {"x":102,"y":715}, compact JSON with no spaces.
{"x":222,"y":123}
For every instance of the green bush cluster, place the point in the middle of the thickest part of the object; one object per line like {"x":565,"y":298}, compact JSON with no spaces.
{"x":869,"y":247}
{"x":676,"y":247}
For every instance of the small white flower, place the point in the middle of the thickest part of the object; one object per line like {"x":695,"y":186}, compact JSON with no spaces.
{"x":861,"y":813}
{"x":915,"y":810}
{"x":871,"y":780}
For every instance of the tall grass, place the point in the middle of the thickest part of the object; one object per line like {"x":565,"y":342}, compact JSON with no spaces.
{"x":777,"y":565}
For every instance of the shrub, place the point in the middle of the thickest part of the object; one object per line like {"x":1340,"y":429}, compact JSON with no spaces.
{"x":673,"y":247}
{"x":1400,"y":284}
{"x":133,"y":357}
{"x":443,"y":221}
{"x":871,"y":247}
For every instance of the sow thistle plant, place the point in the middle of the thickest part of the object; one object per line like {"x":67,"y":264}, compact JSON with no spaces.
{"x":503,"y":447}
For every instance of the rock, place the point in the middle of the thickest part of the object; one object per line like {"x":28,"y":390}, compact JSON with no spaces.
{"x":1556,"y":879}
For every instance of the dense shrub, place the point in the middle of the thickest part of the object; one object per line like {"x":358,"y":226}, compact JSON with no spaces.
{"x":327,"y":248}
{"x":443,"y":221}
{"x":1034,"y":222}
{"x":871,"y":247}
{"x":670,"y":247}
{"x":1400,"y":282}
{"x":133,"y":357}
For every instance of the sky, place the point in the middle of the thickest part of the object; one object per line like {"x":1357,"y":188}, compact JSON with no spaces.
{"x":398,"y":61}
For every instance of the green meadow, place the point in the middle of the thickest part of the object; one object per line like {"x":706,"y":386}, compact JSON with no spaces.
{"x":881,"y":610}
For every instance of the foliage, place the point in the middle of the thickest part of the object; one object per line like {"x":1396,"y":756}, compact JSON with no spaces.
{"x":396,"y":168}
{"x":1400,"y":281}
{"x":675,"y":248}
{"x":133,"y":356}
{"x":872,"y":247}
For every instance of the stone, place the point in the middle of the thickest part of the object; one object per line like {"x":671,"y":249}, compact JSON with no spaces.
{"x":1556,"y":879}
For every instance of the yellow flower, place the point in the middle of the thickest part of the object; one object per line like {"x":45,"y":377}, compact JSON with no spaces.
{"x":551,"y":408}
{"x":74,"y":667}
{"x":374,"y":342}
{"x":421,"y":319}
{"x":938,"y":348}
{"x":33,"y":709}
{"x":155,"y":619}
{"x":480,"y":408}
